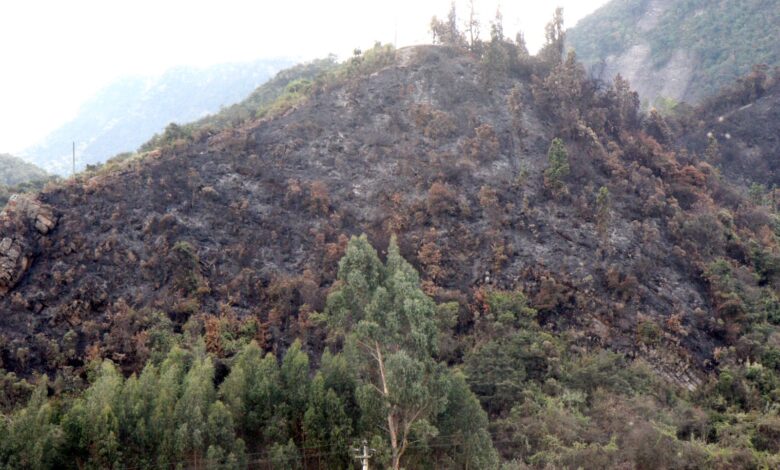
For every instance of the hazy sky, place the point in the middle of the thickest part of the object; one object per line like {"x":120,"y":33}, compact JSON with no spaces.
{"x":55,"y":54}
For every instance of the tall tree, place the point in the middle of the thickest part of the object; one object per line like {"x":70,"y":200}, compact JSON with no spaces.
{"x":92,"y":421}
{"x":446,"y":31}
{"x":497,"y":26}
{"x":326,"y":425}
{"x":163,"y":422}
{"x":551,"y":54}
{"x":472,"y":26}
{"x":558,"y":167}
{"x":192,"y":411}
{"x":554,"y":33}
{"x":31,"y":439}
{"x":294,"y":374}
{"x":252,"y":392}
{"x":465,"y":426}
{"x":391,"y":338}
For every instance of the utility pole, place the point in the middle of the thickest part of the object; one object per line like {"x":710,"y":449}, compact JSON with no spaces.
{"x":363,"y":454}
{"x":74,"y":158}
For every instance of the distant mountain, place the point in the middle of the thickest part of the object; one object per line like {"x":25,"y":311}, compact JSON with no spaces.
{"x":128,"y":112}
{"x":683,"y":50}
{"x":14,"y":170}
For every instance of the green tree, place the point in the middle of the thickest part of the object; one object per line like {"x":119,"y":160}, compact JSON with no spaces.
{"x":464,"y":424}
{"x":137,"y":399}
{"x":162,"y":425}
{"x":92,"y":424}
{"x":757,"y":193}
{"x":252,"y":392}
{"x":294,"y":374}
{"x":555,"y":40}
{"x":192,"y":410}
{"x":497,"y":374}
{"x":558,"y":165}
{"x":285,"y":456}
{"x":31,"y":438}
{"x":224,"y":450}
{"x":326,"y":424}
{"x":472,"y":26}
{"x":496,"y":59}
{"x":391,"y":338}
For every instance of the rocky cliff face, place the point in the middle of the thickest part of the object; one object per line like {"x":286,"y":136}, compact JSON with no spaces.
{"x":252,"y":220}
{"x":672,"y":79}
{"x":681,"y":51}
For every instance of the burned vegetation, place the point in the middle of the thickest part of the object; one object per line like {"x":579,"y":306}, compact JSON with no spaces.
{"x":596,"y":295}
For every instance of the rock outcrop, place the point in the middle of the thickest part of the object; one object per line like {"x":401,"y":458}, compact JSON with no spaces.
{"x":23,"y":221}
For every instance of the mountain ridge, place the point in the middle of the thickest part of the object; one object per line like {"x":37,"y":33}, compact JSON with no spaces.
{"x":123,"y":115}
{"x":597,"y":295}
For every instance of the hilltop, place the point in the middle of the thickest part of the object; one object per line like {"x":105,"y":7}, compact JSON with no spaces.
{"x":678,"y":50}
{"x":602,"y":294}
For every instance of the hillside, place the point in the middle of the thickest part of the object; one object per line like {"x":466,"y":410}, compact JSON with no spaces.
{"x":737,"y":129}
{"x":14,"y":170}
{"x":123,"y":115}
{"x":679,"y":50}
{"x":587,"y":294}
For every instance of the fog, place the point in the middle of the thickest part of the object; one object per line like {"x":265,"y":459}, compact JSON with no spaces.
{"x":55,"y":54}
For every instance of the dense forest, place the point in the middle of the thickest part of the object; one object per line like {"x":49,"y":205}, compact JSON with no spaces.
{"x":463,"y":254}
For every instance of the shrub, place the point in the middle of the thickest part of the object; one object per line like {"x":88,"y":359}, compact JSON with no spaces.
{"x":442,"y":200}
{"x":434,"y":123}
{"x":484,"y":146}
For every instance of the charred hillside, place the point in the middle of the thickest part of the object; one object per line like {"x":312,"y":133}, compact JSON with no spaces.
{"x":737,"y":129}
{"x":250,"y":222}
{"x":586,"y":289}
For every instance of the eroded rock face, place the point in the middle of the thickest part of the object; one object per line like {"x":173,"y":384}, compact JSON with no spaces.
{"x":31,"y":210}
{"x":13,"y":263}
{"x":22,"y":223}
{"x":672,"y":80}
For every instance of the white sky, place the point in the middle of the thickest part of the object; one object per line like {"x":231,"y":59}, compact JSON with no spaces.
{"x":55,"y":54}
